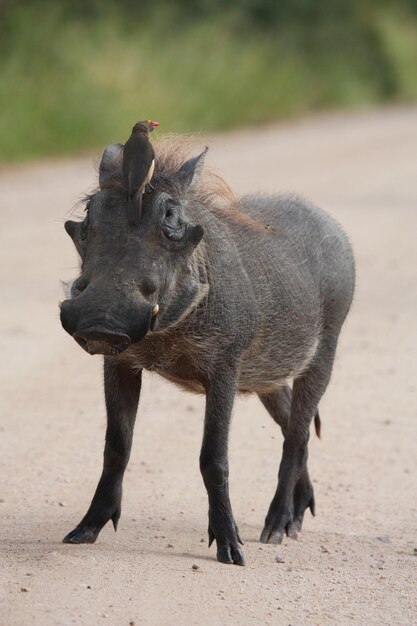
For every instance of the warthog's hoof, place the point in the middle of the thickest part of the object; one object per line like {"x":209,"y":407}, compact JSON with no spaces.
{"x":230,"y":553}
{"x":269,"y":535}
{"x":90,"y":526}
{"x":82,"y":534}
{"x":289,"y":522}
{"x":228,"y":549}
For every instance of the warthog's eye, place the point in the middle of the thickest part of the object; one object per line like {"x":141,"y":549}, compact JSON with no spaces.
{"x":172,"y":227}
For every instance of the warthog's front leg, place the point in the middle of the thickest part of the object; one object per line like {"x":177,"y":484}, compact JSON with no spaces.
{"x":122,"y":390}
{"x":214,"y":465}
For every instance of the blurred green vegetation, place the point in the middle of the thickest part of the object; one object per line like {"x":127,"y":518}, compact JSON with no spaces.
{"x":76,"y":74}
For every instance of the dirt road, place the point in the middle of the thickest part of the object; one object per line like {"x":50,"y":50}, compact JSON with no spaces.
{"x":355,"y":563}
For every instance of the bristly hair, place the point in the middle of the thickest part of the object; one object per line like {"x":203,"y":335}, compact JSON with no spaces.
{"x":171,"y":152}
{"x":85,"y":199}
{"x":80,"y":207}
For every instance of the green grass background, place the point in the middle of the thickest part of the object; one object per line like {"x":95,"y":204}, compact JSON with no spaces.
{"x":75,"y":75}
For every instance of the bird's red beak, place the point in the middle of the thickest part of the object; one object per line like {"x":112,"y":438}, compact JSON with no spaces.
{"x":155,"y":124}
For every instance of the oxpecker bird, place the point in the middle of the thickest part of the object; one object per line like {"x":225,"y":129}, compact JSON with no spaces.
{"x":138,"y":166}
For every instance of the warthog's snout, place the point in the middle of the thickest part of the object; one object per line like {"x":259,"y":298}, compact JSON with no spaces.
{"x":102,"y":341}
{"x":103,"y":331}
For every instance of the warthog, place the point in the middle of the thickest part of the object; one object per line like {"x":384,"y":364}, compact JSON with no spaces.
{"x":218,"y":295}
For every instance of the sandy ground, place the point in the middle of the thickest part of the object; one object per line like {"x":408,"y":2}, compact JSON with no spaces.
{"x":355,"y":563}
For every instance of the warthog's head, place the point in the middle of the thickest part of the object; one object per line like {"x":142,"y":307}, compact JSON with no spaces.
{"x":134,"y":279}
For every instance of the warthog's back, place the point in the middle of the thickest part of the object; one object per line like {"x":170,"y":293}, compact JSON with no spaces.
{"x":301,"y":269}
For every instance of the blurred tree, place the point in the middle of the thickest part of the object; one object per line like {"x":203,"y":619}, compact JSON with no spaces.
{"x":72,"y":71}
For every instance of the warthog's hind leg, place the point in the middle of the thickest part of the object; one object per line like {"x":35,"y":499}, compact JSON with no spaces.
{"x":278,"y":405}
{"x":294,"y":413}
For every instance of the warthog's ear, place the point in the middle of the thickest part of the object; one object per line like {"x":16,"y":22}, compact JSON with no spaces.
{"x":191,"y":169}
{"x":111,"y":164}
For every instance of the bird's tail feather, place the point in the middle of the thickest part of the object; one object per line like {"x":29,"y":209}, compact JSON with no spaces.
{"x":135,"y":209}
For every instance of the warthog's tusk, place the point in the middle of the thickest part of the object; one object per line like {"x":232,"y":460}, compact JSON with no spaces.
{"x":155,"y":309}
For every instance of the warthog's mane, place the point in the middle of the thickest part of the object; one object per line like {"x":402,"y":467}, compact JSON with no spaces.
{"x":209,"y":189}
{"x":171,"y":152}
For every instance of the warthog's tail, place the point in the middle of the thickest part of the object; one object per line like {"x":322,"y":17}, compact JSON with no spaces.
{"x":317,"y":424}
